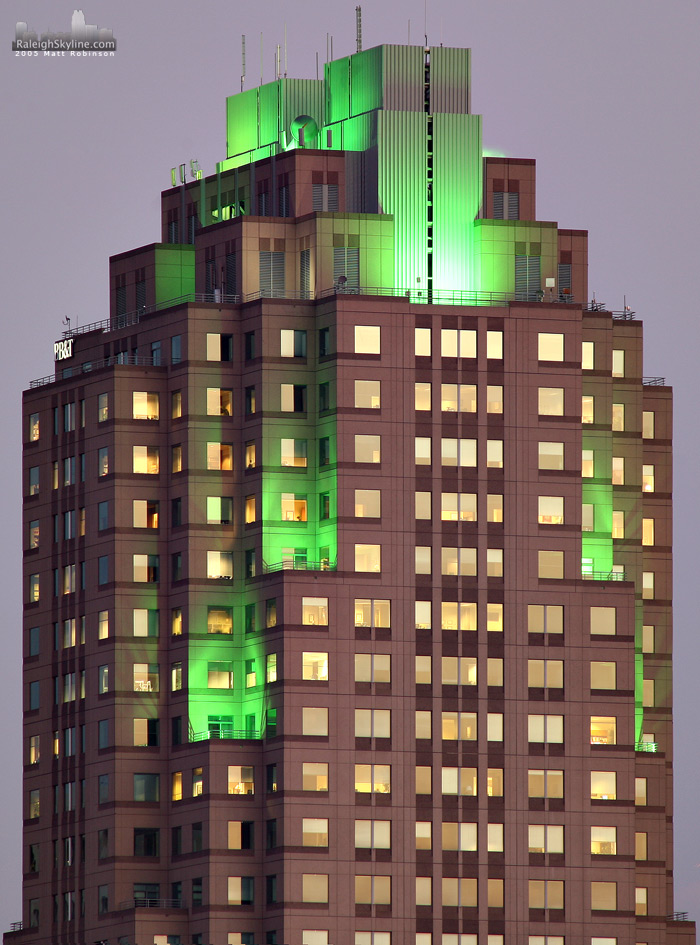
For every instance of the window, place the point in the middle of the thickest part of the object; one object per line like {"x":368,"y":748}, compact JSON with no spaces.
{"x":618,"y":523}
{"x":176,"y":621}
{"x":647,"y":531}
{"x":545,"y":729}
{"x":33,"y":541}
{"x":241,"y":779}
{"x":371,"y":779}
{"x":219,"y":510}
{"x":462,"y":837}
{"x":550,"y":346}
{"x":314,"y":721}
{"x":458,"y":398}
{"x":367,"y":448}
{"x":648,"y":638}
{"x":368,"y":503}
{"x":102,"y":407}
{"x":373,"y":667}
{"x":176,"y":404}
{"x":648,"y":585}
{"x":292,"y":343}
{"x":294,"y":507}
{"x":550,"y":401}
{"x":292,"y":398}
{"x":176,"y":459}
{"x":220,"y":456}
{"x":494,"y":345}
{"x":458,"y":892}
{"x":422,"y":342}
{"x":146,"y":788}
{"x":603,"y":675}
{"x":459,"y":726}
{"x":603,"y":896}
{"x":550,"y":510}
{"x":550,"y":564}
{"x":618,"y":417}
{"x":292,"y":452}
{"x":145,"y":406}
{"x":368,"y":394}
{"x":219,"y":402}
{"x":603,"y":785}
{"x":545,"y":674}
{"x":603,"y":730}
{"x":314,"y":666}
{"x":587,"y":355}
{"x":545,"y":783}
{"x":422,"y":448}
{"x":587,"y":464}
{"x":423,"y":505}
{"x":372,"y":723}
{"x":367,"y":339}
{"x":314,"y":832}
{"x":545,"y":894}
{"x":459,"y":781}
{"x":550,"y":455}
{"x":103,"y":461}
{"x":373,"y":890}
{"x":219,"y":620}
{"x":102,"y":679}
{"x":648,"y":424}
{"x":314,"y":611}
{"x":604,"y":841}
{"x":422,"y":397}
{"x":545,"y":838}
{"x":368,"y":557}
{"x":219,"y":347}
{"x":648,"y":477}
{"x":145,"y":513}
{"x":458,"y":670}
{"x":220,"y":565}
{"x":458,"y":507}
{"x":33,"y":480}
{"x":146,"y":568}
{"x":494,"y":454}
{"x":146,"y":677}
{"x":458,"y":561}
{"x":494,"y":399}
{"x":618,"y":362}
{"x":640,"y":845}
{"x":240,"y":891}
{"x":219,"y":675}
{"x":618,"y":470}
{"x":146,"y":460}
{"x":460,"y":452}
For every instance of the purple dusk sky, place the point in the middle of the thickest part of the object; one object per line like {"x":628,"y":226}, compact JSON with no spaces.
{"x":604,"y":94}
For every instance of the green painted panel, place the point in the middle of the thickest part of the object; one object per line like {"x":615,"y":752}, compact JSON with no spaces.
{"x":337,"y":79}
{"x":366,"y":80}
{"x":174,"y":266}
{"x":269,"y":114}
{"x":241,"y":122}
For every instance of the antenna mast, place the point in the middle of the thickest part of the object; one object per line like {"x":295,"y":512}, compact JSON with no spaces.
{"x":242,"y":60}
{"x":358,"y":27}
{"x":285,"y":50}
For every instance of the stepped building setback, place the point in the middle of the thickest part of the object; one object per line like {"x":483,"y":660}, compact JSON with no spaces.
{"x":347,"y":557}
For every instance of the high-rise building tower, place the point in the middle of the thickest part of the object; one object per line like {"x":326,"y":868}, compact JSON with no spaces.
{"x":347,"y":557}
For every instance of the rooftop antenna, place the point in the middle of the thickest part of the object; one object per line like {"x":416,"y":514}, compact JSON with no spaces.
{"x":358,"y":27}
{"x":277,"y":62}
{"x":409,"y":32}
{"x":242,"y":60}
{"x":327,"y":47}
{"x":285,"y":50}
{"x":331,"y":48}
{"x":261,"y":59}
{"x":317,"y":67}
{"x":425,"y":20}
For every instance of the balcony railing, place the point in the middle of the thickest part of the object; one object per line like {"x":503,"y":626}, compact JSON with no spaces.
{"x":224,"y":733}
{"x":652,"y":747}
{"x":677,"y":917}
{"x":88,"y":366}
{"x":133,"y":318}
{"x":153,"y":904}
{"x":299,"y":565}
{"x":603,"y":575}
{"x":654,"y":381}
{"x":18,"y":926}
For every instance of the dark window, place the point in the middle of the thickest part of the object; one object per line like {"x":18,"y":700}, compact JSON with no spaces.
{"x":270,"y":889}
{"x":156,"y":352}
{"x":324,"y":396}
{"x":197,"y":891}
{"x":34,"y":641}
{"x":250,"y":401}
{"x":176,"y":730}
{"x":176,"y":889}
{"x":102,"y":788}
{"x":102,"y":515}
{"x":176,"y":843}
{"x":249,"y":345}
{"x":34,"y":694}
{"x":324,"y":505}
{"x":227,"y":347}
{"x":271,"y":784}
{"x":102,"y":844}
{"x":270,"y":834}
{"x":103,"y":569}
{"x":176,"y":512}
{"x":197,"y":837}
{"x":176,"y":349}
{"x":33,"y":857}
{"x":324,"y":451}
{"x":146,"y":787}
{"x":147,"y":891}
{"x":247,"y":835}
{"x":103,"y":733}
{"x":249,"y":562}
{"x":249,"y":618}
{"x":176,"y":566}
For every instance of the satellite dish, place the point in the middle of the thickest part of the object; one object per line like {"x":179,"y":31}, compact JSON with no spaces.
{"x":304,"y":131}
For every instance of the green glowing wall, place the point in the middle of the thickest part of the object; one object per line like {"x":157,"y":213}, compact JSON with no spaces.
{"x":174,"y":264}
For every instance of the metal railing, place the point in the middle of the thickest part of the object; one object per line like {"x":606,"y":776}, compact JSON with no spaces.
{"x":299,"y":565}
{"x":603,"y":575}
{"x":18,"y":926}
{"x":88,"y":366}
{"x":654,"y":381}
{"x":133,"y":318}
{"x":421,"y":296}
{"x":677,"y":917}
{"x":626,"y":314}
{"x":153,"y":904}
{"x":652,"y":747}
{"x":226,"y":733}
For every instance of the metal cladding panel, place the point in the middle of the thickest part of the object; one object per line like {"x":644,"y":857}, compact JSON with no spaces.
{"x":457,"y":192}
{"x":241,"y":122}
{"x":301,"y":97}
{"x":450,"y":78}
{"x":403,"y":78}
{"x":402,"y":190}
{"x":365,"y":71}
{"x":269,"y":100}
{"x":337,"y":82}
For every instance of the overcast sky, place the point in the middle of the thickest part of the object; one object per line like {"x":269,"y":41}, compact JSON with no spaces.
{"x":603,"y":93}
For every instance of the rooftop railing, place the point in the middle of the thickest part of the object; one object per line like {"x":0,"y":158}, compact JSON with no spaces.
{"x":299,"y":565}
{"x":89,"y":366}
{"x":224,"y":733}
{"x":677,"y":917}
{"x":603,"y":575}
{"x":654,"y":381}
{"x":153,"y":904}
{"x":652,"y":747}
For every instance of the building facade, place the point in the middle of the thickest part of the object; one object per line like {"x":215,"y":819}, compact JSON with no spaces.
{"x":348,"y":557}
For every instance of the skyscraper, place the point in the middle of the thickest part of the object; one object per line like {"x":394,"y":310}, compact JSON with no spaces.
{"x":347,"y":557}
